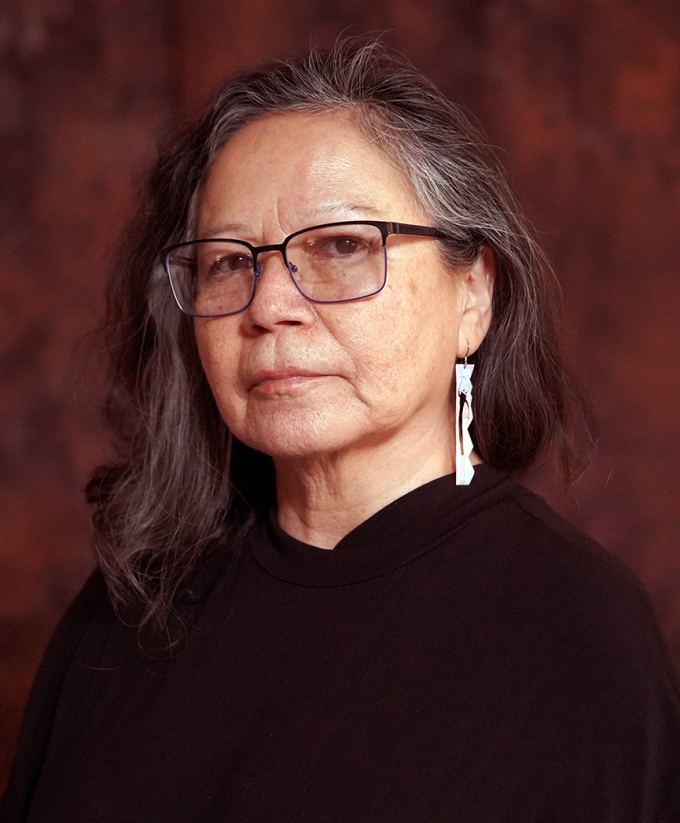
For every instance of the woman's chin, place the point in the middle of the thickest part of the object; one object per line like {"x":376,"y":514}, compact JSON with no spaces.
{"x":297,"y":437}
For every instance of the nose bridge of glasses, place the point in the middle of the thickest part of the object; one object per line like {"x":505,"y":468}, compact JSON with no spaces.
{"x":267,"y":250}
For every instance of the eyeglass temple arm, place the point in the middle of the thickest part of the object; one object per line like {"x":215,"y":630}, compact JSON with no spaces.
{"x":418,"y":231}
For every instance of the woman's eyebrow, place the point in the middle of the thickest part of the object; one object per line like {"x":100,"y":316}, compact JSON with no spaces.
{"x":222,"y":230}
{"x":346,"y":207}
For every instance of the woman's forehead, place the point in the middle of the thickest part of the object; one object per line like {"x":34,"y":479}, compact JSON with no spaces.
{"x":320,"y":166}
{"x":332,"y":136}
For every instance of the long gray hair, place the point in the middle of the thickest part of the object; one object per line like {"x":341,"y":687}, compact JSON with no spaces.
{"x":184,"y":488}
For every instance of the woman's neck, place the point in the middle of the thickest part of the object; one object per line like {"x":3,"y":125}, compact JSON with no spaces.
{"x":320,"y":500}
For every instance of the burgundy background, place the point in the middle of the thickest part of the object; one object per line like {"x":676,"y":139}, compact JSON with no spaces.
{"x":583,"y":99}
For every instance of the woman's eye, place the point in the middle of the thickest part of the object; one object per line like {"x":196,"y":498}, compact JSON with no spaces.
{"x":231,"y":263}
{"x":344,"y":246}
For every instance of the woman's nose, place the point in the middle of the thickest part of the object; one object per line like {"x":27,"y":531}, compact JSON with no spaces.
{"x":277,"y":299}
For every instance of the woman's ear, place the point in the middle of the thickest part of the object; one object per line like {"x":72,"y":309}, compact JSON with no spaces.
{"x":477,"y":284}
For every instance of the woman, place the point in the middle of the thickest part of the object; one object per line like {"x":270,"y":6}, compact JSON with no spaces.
{"x":321,"y":595}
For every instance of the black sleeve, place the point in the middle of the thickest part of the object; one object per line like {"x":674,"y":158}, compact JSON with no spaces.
{"x":40,"y":709}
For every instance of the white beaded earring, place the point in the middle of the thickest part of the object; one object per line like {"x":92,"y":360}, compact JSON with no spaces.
{"x":464,"y":467}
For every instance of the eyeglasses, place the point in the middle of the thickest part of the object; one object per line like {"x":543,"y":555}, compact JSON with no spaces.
{"x":330,"y":263}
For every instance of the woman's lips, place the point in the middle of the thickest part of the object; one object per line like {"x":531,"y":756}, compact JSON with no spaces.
{"x":283,"y":381}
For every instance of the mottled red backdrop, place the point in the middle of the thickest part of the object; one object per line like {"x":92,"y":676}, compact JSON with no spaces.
{"x":583,"y":101}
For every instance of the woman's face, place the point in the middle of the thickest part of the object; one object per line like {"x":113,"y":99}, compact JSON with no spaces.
{"x":296,"y":379}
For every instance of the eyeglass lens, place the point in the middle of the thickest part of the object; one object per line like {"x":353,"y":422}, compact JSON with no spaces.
{"x":327,"y":264}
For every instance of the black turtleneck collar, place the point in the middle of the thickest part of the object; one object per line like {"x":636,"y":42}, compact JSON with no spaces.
{"x":397,"y":534}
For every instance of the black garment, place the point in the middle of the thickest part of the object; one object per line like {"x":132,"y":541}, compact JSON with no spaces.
{"x":462,"y":656}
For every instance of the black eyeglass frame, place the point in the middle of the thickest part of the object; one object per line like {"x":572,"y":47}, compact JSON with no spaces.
{"x":386,"y":228}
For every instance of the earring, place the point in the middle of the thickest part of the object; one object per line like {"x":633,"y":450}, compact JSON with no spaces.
{"x":464,"y":467}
